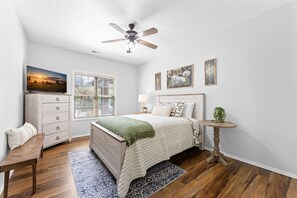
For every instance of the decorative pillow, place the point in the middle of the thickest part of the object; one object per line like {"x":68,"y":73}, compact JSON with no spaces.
{"x":14,"y":139}
{"x":177,"y":108}
{"x":161,"y":111}
{"x":162,"y":104}
{"x":30,"y":126}
{"x":18,"y":137}
{"x":188,"y":109}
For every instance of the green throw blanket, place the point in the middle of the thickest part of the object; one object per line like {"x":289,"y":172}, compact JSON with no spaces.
{"x":128,"y":128}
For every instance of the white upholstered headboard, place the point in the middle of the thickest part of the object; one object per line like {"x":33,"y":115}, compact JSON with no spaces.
{"x":198,"y":112}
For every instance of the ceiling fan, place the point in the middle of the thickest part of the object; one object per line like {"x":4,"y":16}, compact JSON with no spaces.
{"x":133,"y":37}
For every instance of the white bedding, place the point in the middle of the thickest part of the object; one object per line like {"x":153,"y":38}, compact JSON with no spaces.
{"x":173,"y":135}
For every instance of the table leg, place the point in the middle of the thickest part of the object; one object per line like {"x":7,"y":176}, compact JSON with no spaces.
{"x":6,"y":181}
{"x":222,"y":160}
{"x":216,"y":139}
{"x":41,"y":153}
{"x":211,"y":158}
{"x":34,"y":177}
{"x":216,"y":155}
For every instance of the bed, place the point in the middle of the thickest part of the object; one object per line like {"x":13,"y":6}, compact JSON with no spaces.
{"x":173,"y":135}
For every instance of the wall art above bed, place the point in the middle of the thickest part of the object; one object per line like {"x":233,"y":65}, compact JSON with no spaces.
{"x":158,"y":81}
{"x":180,"y":77}
{"x":210,"y":72}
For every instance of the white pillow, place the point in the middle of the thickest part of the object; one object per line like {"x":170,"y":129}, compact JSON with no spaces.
{"x":30,"y":126}
{"x":161,"y":111}
{"x":18,"y":137}
{"x":177,"y":108}
{"x":188,"y":109}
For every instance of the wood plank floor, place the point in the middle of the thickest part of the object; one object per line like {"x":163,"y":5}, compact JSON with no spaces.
{"x":54,"y":177}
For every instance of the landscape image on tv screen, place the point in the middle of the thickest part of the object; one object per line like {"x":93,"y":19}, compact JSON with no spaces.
{"x":45,"y":80}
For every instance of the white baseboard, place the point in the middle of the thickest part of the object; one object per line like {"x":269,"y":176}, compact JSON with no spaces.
{"x":78,"y":136}
{"x":282,"y":172}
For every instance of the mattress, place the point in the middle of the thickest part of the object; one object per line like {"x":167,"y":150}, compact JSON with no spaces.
{"x":173,"y":135}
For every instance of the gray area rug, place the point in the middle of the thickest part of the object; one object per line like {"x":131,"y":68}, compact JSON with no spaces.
{"x":93,"y":179}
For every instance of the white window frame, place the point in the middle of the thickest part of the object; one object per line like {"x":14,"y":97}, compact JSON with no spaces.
{"x":77,"y":72}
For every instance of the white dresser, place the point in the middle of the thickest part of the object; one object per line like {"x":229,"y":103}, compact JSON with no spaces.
{"x":50,"y":114}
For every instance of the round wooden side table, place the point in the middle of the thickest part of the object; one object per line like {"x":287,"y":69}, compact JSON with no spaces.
{"x":216,"y":155}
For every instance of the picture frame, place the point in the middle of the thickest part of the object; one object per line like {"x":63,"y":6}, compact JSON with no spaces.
{"x":210,"y":72}
{"x":180,"y":77}
{"x":158,"y":81}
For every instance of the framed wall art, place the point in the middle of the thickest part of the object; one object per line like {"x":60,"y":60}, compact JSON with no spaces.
{"x":158,"y":81}
{"x":210,"y":72}
{"x":180,"y":77}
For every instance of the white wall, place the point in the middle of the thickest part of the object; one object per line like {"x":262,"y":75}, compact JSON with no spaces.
{"x":66,"y":61}
{"x":257,"y":83}
{"x":13,"y":46}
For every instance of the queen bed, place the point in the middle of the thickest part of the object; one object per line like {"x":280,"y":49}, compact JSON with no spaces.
{"x":172,"y":136}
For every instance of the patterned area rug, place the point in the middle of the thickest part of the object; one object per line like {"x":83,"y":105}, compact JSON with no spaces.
{"x":93,"y":179}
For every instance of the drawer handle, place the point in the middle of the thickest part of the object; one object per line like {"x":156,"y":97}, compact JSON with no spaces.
{"x":58,"y":108}
{"x":57,"y":99}
{"x":57,"y":118}
{"x":58,"y":128}
{"x":57,"y":138}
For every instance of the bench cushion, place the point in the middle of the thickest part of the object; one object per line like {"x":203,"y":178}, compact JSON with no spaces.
{"x":18,"y":137}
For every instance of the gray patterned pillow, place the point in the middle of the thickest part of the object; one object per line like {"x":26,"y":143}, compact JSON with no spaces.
{"x":177,"y":108}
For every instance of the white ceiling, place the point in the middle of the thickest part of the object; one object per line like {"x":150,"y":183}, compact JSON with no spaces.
{"x":81,"y":25}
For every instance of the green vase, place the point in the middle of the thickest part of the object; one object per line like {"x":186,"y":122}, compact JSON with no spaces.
{"x":219,"y":114}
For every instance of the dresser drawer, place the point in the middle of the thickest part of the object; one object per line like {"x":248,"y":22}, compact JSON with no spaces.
{"x":54,"y":98}
{"x":55,"y":117}
{"x":55,"y":108}
{"x":55,"y":138}
{"x":56,"y":127}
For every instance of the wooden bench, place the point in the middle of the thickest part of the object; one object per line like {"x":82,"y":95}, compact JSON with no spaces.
{"x":27,"y":154}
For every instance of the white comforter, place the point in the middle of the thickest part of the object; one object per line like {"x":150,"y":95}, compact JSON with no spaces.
{"x":173,"y":135}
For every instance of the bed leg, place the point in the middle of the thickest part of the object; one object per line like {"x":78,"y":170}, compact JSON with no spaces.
{"x":91,"y":149}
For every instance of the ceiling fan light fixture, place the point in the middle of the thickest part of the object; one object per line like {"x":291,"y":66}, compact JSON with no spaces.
{"x":131,"y":44}
{"x":133,"y":37}
{"x":130,"y":47}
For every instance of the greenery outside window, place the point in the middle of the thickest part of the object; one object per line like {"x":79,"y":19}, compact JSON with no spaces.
{"x":94,"y":95}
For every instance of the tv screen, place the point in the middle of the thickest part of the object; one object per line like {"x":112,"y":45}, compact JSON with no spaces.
{"x":45,"y":80}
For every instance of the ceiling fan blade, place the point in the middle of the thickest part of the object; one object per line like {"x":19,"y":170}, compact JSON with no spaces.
{"x":115,"y":26}
{"x":114,"y":40}
{"x":147,"y":44}
{"x":148,"y":32}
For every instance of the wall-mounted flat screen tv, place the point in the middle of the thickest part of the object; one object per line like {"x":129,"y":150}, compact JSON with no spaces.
{"x":45,"y":80}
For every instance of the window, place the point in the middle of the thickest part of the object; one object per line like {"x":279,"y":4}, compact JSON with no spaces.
{"x":94,"y":95}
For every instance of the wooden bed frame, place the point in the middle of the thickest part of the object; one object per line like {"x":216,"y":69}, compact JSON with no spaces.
{"x":111,"y":148}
